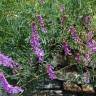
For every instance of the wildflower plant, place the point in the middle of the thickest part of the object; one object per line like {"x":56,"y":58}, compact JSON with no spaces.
{"x":44,"y":39}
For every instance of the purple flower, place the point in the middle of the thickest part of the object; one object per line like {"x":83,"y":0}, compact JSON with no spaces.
{"x":66,"y":49}
{"x":50,"y":71}
{"x":40,"y":19}
{"x":92,"y":45}
{"x":35,"y":43}
{"x":9,"y":88}
{"x":77,"y":58}
{"x":74,"y":35}
{"x":35,"y":39}
{"x":40,"y":53}
{"x":7,"y":61}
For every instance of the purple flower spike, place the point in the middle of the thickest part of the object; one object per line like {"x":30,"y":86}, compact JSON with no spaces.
{"x":40,"y":19}
{"x":50,"y":71}
{"x":92,"y":45}
{"x":9,"y":88}
{"x":74,"y":35}
{"x":66,"y":49}
{"x":7,"y":61}
{"x":35,"y":43}
{"x":35,"y":39}
{"x":40,"y":54}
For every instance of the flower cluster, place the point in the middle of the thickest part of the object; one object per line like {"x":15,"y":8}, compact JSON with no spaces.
{"x":7,"y":61}
{"x":41,"y":21}
{"x":50,"y":71}
{"x":74,"y":35}
{"x":66,"y":48}
{"x":91,"y":43}
{"x":35,"y":43}
{"x":7,"y":87}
